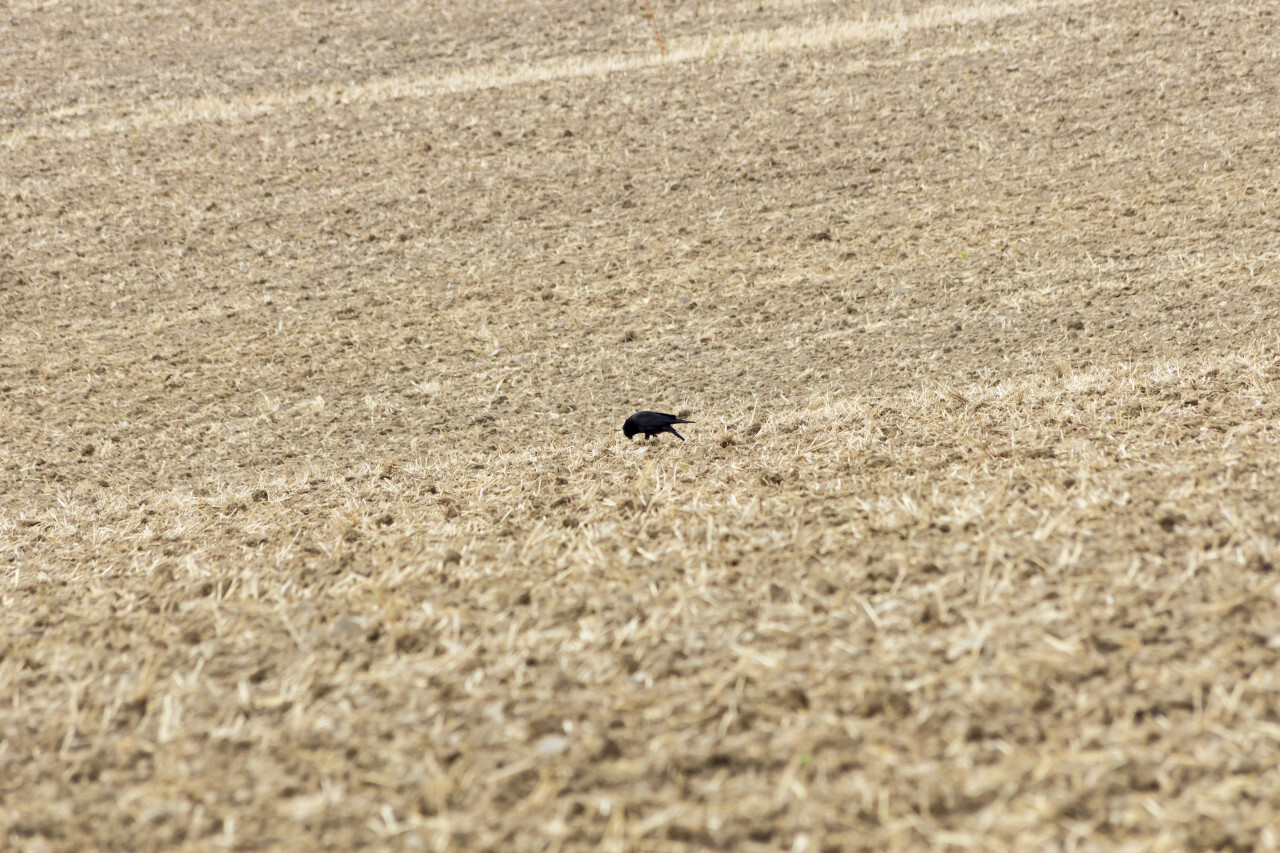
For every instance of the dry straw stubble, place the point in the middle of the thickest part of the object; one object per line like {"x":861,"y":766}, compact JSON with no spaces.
{"x":320,"y":530}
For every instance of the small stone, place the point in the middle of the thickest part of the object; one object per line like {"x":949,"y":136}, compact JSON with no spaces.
{"x":552,"y":745}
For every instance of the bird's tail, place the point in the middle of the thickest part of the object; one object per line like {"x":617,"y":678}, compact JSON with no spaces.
{"x":672,"y":430}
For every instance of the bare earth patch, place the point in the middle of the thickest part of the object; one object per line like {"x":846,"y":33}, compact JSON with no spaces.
{"x":318,"y":324}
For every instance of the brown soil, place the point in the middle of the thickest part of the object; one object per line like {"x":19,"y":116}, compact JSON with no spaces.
{"x":318,"y":323}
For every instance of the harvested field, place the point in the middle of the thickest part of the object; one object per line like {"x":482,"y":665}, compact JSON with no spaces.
{"x":318,"y":323}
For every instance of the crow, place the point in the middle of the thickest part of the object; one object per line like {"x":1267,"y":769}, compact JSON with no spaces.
{"x":651,"y":424}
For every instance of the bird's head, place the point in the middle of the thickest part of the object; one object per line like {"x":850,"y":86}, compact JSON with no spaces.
{"x":629,"y":429}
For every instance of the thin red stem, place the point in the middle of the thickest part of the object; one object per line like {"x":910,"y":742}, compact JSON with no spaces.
{"x":662,"y":51}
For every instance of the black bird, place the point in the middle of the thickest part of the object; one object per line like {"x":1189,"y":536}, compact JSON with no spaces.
{"x":651,"y":424}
